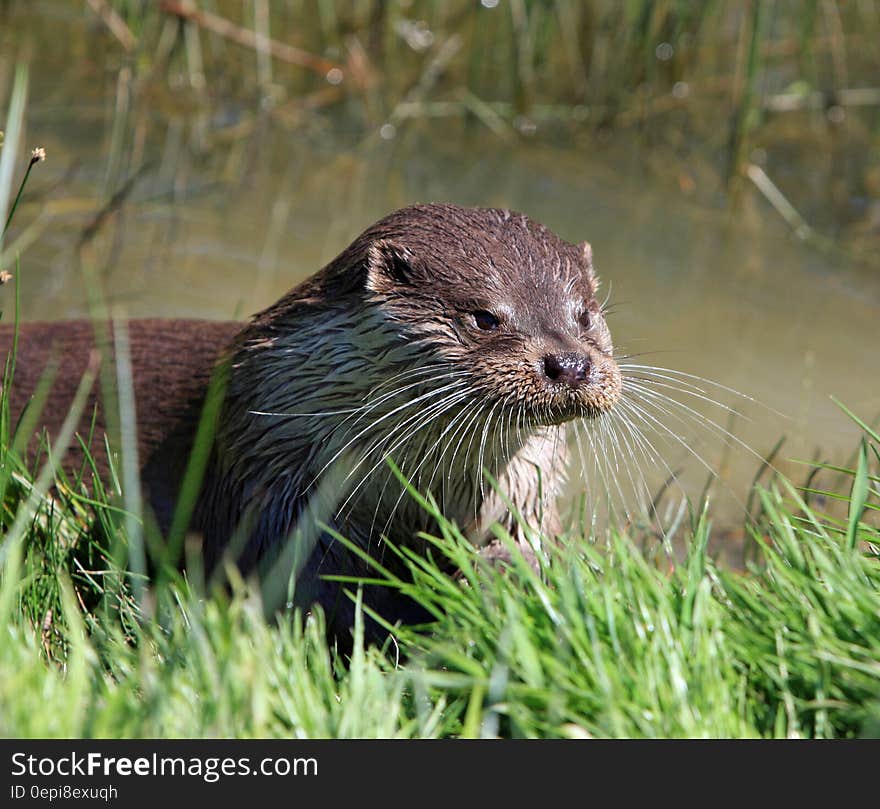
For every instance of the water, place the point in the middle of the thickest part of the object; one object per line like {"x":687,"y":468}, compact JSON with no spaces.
{"x":221,"y":228}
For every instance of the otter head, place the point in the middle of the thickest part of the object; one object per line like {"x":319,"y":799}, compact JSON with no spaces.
{"x":501,"y":298}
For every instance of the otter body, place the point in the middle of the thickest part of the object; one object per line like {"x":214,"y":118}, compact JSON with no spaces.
{"x":454,"y":341}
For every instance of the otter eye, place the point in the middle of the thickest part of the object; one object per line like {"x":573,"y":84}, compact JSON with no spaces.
{"x":585,"y":321}
{"x":485,"y":321}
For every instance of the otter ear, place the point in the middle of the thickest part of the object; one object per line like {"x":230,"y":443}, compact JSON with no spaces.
{"x":586,"y":251}
{"x":388,"y":265}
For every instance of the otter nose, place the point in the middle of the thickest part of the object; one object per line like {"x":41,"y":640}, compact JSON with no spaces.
{"x":570,"y":368}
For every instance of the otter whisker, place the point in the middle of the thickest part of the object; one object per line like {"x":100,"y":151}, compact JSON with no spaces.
{"x":363,"y":409}
{"x":473,"y":435}
{"x":410,"y":403}
{"x":598,"y":436}
{"x":456,"y":423}
{"x":426,"y":456}
{"x":625,"y":415}
{"x":591,"y":476}
{"x":607,"y":437}
{"x":469,"y":428}
{"x":425,"y":434}
{"x":628,"y":417}
{"x":578,"y":440}
{"x":556,"y":474}
{"x":686,"y":389}
{"x":593,"y":464}
{"x":289,"y":415}
{"x":656,"y":397}
{"x":475,"y":470}
{"x":353,"y":425}
{"x":640,"y":407}
{"x":480,"y":455}
{"x":478,"y":409}
{"x":416,"y":424}
{"x":663,"y":429}
{"x":600,"y":439}
{"x":624,"y":458}
{"x":651,"y":369}
{"x":649,"y":453}
{"x":414,"y":379}
{"x":385,"y":455}
{"x":369,"y":406}
{"x":409,"y":373}
{"x":633,"y":444}
{"x":402,"y":466}
{"x":422,"y":420}
{"x":592,"y":461}
{"x":509,"y":408}
{"x":423,"y":398}
{"x":459,"y":426}
{"x":604,"y":305}
{"x":464,"y":419}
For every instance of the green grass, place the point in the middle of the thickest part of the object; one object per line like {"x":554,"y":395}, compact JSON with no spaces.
{"x":607,"y":641}
{"x":604,"y":643}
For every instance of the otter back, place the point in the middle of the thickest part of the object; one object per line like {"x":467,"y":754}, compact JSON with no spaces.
{"x":172,"y":362}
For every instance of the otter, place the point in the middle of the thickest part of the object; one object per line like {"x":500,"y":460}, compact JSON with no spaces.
{"x":456,"y":342}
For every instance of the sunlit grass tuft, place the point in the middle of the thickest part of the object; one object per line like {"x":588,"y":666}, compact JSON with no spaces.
{"x":603,"y":642}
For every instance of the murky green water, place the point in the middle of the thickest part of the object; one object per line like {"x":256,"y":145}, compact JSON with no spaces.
{"x":223,"y":231}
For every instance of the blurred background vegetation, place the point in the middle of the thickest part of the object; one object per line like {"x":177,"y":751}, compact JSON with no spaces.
{"x":783,"y":95}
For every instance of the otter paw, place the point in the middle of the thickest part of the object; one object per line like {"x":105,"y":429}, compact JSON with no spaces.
{"x":497,"y":554}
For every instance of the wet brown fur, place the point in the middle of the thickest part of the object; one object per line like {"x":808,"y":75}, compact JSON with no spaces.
{"x":172,"y":362}
{"x":291,"y":448}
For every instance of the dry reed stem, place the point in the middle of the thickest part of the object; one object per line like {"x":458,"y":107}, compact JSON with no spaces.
{"x":246,"y":38}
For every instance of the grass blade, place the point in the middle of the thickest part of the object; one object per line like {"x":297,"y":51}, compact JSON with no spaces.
{"x":858,"y":496}
{"x":11,"y":137}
